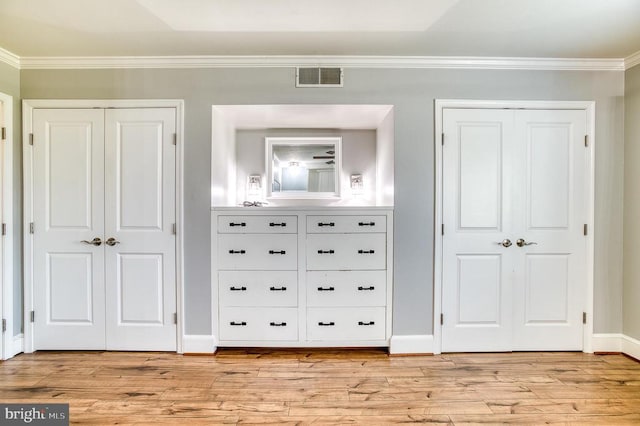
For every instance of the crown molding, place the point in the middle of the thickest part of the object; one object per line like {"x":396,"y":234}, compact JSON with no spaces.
{"x":9,"y":58}
{"x":632,"y":60}
{"x":434,"y":62}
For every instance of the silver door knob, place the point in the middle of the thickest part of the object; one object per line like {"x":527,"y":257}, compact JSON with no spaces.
{"x":112,"y":242}
{"x":505,"y":243}
{"x":95,"y":242}
{"x":521,"y":242}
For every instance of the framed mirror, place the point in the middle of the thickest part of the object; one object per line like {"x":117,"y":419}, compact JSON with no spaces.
{"x":303,"y":167}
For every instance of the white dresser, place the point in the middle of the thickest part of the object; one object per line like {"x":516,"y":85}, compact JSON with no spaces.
{"x":302,"y":278}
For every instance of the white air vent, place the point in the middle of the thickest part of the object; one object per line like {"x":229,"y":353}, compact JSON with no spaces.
{"x":319,"y":77}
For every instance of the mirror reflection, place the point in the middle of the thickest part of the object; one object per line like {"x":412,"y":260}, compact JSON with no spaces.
{"x":302,"y":166}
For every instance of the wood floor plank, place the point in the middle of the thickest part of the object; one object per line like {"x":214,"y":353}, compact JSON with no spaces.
{"x":549,"y":419}
{"x":326,"y":382}
{"x":188,"y":408}
{"x":379,"y":408}
{"x":340,"y":372}
{"x":343,"y":420}
{"x":565,"y":406}
{"x":256,"y":395}
{"x":274,"y":386}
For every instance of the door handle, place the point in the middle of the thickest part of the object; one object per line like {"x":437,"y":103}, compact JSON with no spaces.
{"x":95,"y":242}
{"x":521,"y":242}
{"x":112,"y":242}
{"x":505,"y":243}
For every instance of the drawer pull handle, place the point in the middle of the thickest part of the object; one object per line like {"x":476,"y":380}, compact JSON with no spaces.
{"x":243,"y":288}
{"x":326,"y":324}
{"x":283,"y":224}
{"x":370,"y":288}
{"x":366,"y":224}
{"x":278,"y":324}
{"x":277,"y":252}
{"x":326,"y":252}
{"x":366,"y":323}
{"x":278,"y":288}
{"x":237,"y":252}
{"x":366,"y":251}
{"x":237,"y":224}
{"x":326,"y":289}
{"x":238,"y":324}
{"x":321,"y":224}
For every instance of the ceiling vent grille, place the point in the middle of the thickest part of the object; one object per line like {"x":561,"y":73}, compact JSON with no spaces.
{"x":319,"y":77}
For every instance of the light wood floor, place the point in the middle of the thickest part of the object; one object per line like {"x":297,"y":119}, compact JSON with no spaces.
{"x":328,"y":387}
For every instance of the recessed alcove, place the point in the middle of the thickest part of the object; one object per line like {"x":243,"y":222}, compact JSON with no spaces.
{"x":239,"y":134}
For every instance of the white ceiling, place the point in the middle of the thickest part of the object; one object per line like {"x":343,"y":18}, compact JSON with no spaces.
{"x":490,"y":28}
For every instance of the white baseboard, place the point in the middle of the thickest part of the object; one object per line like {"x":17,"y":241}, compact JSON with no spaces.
{"x":616,"y":342}
{"x":408,"y":345}
{"x":611,"y":342}
{"x":631,"y":346}
{"x":198,"y":344}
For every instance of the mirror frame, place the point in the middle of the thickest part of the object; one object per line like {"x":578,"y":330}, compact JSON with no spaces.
{"x":277,"y":141}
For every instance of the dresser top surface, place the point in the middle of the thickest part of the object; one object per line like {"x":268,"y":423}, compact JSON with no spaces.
{"x":305,"y":209}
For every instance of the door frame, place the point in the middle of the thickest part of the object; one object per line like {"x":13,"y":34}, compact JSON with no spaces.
{"x":9,"y":345}
{"x":28,"y":106}
{"x":590,"y":108}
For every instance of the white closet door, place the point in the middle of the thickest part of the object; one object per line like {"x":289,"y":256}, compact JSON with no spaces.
{"x":68,"y":208}
{"x":140,"y":215}
{"x":477,"y":202}
{"x":2,"y":283}
{"x":550,"y":274}
{"x":517,"y":176}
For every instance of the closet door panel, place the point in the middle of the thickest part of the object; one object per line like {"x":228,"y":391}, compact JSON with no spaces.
{"x":549,"y":292}
{"x":139,"y":220}
{"x":477,"y":197}
{"x":68,"y":213}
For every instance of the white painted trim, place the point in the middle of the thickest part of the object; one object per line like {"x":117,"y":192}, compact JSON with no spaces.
{"x":17,"y":345}
{"x":257,"y":61}
{"x":6,"y":281}
{"x":198,"y":344}
{"x":9,"y":58}
{"x":607,"y":342}
{"x":631,"y":346}
{"x":27,"y":124}
{"x":102,"y":103}
{"x":589,"y":108}
{"x":411,"y":345}
{"x":617,"y":342}
{"x":632,"y":60}
{"x":180,"y":303}
{"x":437,"y":229}
{"x":27,"y":215}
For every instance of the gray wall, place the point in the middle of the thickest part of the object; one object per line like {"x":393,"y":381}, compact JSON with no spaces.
{"x":632,"y":204}
{"x":412,"y":91}
{"x":10,"y":85}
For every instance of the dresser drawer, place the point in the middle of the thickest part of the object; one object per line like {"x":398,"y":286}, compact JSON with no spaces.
{"x":350,"y":324}
{"x":336,"y":224}
{"x":259,"y":288}
{"x":258,"y":252}
{"x":266,"y":324}
{"x":346,"y":288}
{"x":257,"y":224}
{"x":346,"y":251}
